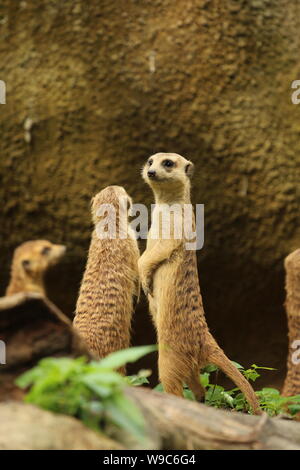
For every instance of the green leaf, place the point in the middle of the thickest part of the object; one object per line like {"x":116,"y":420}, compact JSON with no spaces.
{"x":140,"y":378}
{"x":204,"y":379}
{"x":271,"y":391}
{"x":294,"y":409}
{"x":210,"y":368}
{"x":254,"y":366}
{"x":29,"y":377}
{"x":237,"y":365}
{"x":101,"y":390}
{"x":124,"y":413}
{"x":228,"y":399}
{"x":136,"y":381}
{"x":240,"y":402}
{"x":295,"y":397}
{"x":188,"y":394}
{"x":120,"y":358}
{"x":105,"y":377}
{"x":214,"y":395}
{"x":251,"y":374}
{"x":159,"y":388}
{"x":91,"y":413}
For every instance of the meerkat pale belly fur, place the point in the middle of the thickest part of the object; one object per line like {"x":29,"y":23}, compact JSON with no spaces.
{"x":110,"y":282}
{"x":30,"y":262}
{"x":169,"y":276}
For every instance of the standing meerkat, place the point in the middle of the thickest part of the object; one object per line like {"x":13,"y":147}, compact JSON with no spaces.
{"x":292,"y":304}
{"x":169,"y":277}
{"x":30,"y":262}
{"x":110,"y":282}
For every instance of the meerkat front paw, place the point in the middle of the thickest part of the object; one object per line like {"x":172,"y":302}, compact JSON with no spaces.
{"x":146,"y":282}
{"x":145,"y":278}
{"x":148,"y":290}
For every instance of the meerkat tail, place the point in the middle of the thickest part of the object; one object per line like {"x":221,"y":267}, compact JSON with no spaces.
{"x":220,"y":359}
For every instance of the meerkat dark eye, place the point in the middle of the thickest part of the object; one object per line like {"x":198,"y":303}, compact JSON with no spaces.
{"x":150,"y":162}
{"x":168,"y":163}
{"x":25,"y":263}
{"x":46,"y":250}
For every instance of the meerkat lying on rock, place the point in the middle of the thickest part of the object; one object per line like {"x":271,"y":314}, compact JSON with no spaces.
{"x":110,"y":282}
{"x":169,"y":277}
{"x":30,"y":262}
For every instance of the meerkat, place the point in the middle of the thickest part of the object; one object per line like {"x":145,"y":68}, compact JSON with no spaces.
{"x":292,"y":304}
{"x":169,"y":277}
{"x":30,"y":262}
{"x":110,"y":282}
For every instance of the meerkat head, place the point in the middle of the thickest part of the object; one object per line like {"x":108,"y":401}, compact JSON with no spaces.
{"x":165,"y":168}
{"x":165,"y":172}
{"x":115,"y":196}
{"x":32,"y":259}
{"x":292,"y":262}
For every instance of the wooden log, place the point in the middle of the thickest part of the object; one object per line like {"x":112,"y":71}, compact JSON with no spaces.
{"x":185,"y":425}
{"x":26,"y":427}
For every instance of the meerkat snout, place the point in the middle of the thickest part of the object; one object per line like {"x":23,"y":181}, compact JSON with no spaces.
{"x":151,"y":173}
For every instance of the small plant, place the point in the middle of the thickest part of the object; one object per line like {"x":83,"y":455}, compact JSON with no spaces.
{"x":91,"y":391}
{"x":94,"y":391}
{"x":273,"y":403}
{"x":270,"y":399}
{"x":140,"y":378}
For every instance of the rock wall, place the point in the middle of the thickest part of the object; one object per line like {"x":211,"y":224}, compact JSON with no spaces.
{"x":94,"y":88}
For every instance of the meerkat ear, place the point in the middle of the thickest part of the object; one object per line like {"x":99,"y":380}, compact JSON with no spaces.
{"x":129,"y":206}
{"x":189,"y":169}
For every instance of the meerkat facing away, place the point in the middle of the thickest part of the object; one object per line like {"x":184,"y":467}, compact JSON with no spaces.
{"x":169,"y":277}
{"x":30,"y":262}
{"x":292,"y":268}
{"x":110,"y":282}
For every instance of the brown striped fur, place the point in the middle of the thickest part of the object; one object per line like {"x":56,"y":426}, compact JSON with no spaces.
{"x":30,"y":263}
{"x":169,"y":277}
{"x":105,"y":304}
{"x":292,"y":267}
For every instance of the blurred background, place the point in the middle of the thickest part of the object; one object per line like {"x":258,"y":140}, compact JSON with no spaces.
{"x":95,"y":87}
